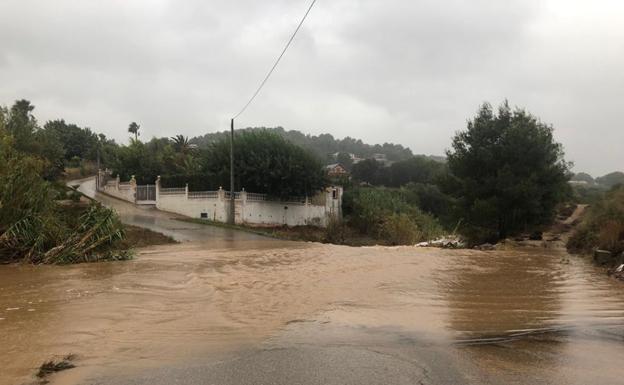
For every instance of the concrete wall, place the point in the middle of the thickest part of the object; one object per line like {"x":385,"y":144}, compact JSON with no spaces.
{"x":282,"y":213}
{"x":251,"y":209}
{"x":124,"y":191}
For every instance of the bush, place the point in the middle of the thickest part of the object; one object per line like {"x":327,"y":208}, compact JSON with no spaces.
{"x":381,"y":213}
{"x":196,"y":182}
{"x":603,"y":225}
{"x":400,"y":229}
{"x":335,"y":232}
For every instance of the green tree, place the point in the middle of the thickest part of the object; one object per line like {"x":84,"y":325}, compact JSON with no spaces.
{"x":78,"y":142}
{"x":510,"y":173}
{"x":134,"y":128}
{"x":418,"y":169}
{"x":368,"y":171}
{"x":21,"y":125}
{"x":27,"y":138}
{"x":265,"y":163}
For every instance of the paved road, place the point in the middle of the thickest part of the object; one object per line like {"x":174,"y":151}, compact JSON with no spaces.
{"x":166,"y":223}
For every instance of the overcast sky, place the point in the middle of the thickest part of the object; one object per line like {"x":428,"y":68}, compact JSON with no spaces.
{"x":409,"y":72}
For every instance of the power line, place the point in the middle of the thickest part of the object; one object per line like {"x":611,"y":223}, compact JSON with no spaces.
{"x":277,"y":61}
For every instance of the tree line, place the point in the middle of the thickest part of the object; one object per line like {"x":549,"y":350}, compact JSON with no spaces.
{"x":503,"y":174}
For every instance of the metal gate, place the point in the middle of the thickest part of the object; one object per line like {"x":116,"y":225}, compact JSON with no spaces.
{"x":146,"y":193}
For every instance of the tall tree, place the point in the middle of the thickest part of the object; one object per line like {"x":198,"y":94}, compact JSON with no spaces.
{"x":21,"y":124}
{"x":265,"y":163}
{"x":368,"y":171}
{"x":510,"y":173}
{"x":133,"y":128}
{"x":28,"y":138}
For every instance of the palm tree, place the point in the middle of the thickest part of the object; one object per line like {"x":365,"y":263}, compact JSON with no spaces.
{"x":181,"y":144}
{"x":133,"y":128}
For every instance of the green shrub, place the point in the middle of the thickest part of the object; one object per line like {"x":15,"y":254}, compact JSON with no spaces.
{"x":603,"y":225}
{"x":386,"y":215}
{"x":335,"y":232}
{"x":400,"y":229}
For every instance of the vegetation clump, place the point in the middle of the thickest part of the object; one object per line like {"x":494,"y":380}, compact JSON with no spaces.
{"x":52,"y":366}
{"x":34,"y":227}
{"x":603,"y":225}
{"x":386,"y":215}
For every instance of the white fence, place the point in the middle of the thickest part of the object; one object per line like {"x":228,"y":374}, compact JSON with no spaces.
{"x":249,"y":208}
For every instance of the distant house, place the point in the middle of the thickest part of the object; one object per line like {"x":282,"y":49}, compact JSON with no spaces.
{"x":354,"y":158}
{"x":336,"y":170}
{"x":382,"y":158}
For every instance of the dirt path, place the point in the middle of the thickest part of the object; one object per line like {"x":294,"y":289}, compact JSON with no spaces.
{"x":576,"y":215}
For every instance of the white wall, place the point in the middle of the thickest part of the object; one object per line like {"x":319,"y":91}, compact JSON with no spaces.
{"x":215,"y":209}
{"x":280,"y":213}
{"x":126,"y":193}
{"x":263,"y":212}
{"x":214,"y":205}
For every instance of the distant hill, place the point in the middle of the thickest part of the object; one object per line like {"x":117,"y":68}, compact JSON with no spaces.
{"x":324,"y":145}
{"x":611,"y":179}
{"x":583,"y":177}
{"x":606,"y":181}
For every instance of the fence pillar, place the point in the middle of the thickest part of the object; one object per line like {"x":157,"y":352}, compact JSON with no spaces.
{"x":117,"y":182}
{"x":186,"y":191}
{"x":157,"y":184}
{"x":243,"y":203}
{"x":133,"y":187}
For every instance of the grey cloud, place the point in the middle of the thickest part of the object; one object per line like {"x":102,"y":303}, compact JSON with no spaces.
{"x":399,"y":71}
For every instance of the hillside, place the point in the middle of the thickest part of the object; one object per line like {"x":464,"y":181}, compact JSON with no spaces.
{"x":324,"y":144}
{"x":606,"y":181}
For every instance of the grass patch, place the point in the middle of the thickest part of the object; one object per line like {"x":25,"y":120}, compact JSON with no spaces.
{"x":139,"y":237}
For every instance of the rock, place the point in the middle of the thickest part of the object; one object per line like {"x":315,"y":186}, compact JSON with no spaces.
{"x":617,"y":272}
{"x":536,"y":236}
{"x":619,"y":260}
{"x":485,"y":246}
{"x":445,"y":243}
{"x":602,"y":257}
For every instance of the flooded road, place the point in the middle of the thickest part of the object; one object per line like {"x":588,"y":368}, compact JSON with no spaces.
{"x":238,"y":310}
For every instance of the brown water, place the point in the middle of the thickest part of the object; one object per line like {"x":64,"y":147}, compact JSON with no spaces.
{"x":523,"y":316}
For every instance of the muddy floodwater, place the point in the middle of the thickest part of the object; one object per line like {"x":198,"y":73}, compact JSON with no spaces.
{"x":239,"y":309}
{"x":529,"y":316}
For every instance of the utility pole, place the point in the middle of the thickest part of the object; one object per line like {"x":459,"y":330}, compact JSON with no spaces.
{"x":232,"y":202}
